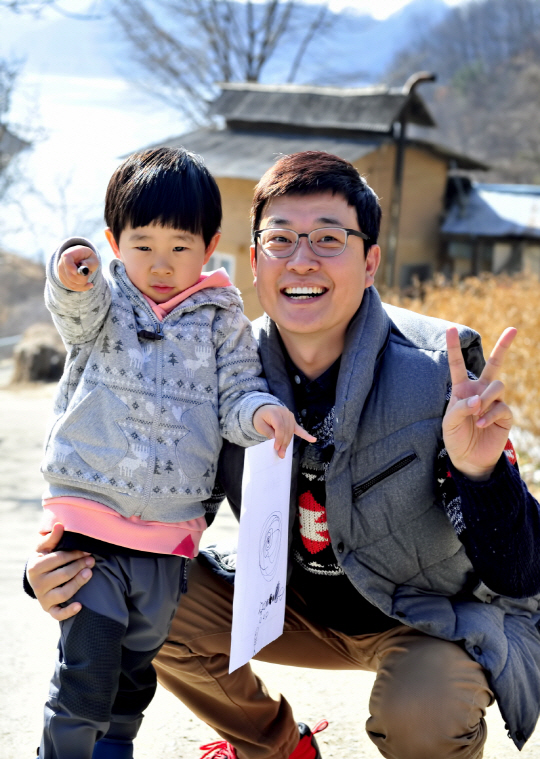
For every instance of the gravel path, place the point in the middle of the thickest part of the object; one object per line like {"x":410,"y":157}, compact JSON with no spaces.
{"x":28,"y":637}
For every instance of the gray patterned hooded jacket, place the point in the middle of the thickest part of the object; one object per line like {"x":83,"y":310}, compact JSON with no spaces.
{"x":138,"y":422}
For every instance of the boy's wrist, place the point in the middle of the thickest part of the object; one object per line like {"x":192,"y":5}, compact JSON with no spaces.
{"x":251,"y":403}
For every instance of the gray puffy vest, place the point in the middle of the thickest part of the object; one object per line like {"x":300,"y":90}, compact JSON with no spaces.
{"x":391,"y":537}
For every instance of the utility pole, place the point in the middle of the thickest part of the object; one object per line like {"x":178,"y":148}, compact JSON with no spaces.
{"x":401,"y":140}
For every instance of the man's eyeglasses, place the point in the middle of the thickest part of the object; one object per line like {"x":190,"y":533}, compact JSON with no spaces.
{"x":325,"y":242}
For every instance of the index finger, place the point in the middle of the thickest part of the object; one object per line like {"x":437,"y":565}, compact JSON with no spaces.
{"x":301,"y":432}
{"x":456,"y":362}
{"x":496,"y":359}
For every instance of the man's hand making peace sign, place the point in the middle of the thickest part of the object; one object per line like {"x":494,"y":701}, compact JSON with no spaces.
{"x":477,"y":421}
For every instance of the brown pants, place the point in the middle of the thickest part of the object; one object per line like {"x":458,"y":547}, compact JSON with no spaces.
{"x":428,"y":701}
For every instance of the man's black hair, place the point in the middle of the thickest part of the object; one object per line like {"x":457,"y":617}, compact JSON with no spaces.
{"x":311,"y":172}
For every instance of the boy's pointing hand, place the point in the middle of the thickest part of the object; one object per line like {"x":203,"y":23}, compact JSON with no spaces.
{"x":75,"y":266}
{"x":279,"y":423}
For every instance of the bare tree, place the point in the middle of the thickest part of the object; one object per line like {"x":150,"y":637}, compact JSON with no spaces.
{"x":20,"y":6}
{"x":11,"y":142}
{"x":475,"y":37}
{"x":487,"y":58}
{"x":35,"y":7}
{"x":185,"y":46}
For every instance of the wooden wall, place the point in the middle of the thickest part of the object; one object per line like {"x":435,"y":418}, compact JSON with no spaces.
{"x":424,"y":181}
{"x":235,"y":239}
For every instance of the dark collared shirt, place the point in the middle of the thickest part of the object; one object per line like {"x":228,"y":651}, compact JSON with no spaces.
{"x":322,"y":591}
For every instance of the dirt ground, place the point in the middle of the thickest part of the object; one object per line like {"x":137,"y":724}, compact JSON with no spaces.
{"x":28,"y":637}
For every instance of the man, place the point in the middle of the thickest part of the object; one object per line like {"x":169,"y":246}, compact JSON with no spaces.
{"x":395,"y":566}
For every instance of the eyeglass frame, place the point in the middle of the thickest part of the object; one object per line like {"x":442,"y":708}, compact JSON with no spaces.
{"x":354,"y":232}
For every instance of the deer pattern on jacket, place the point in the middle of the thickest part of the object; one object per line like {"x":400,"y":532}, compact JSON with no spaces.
{"x":129,"y":464}
{"x":203,"y":353}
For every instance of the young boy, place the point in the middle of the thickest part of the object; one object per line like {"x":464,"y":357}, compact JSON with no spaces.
{"x":161,"y":365}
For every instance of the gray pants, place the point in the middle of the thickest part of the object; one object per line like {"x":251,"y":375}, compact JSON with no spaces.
{"x":103,"y":674}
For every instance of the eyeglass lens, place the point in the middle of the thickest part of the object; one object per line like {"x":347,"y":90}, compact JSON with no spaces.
{"x":280,"y":243}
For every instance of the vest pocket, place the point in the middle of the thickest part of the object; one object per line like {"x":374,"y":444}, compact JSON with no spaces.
{"x":361,"y":487}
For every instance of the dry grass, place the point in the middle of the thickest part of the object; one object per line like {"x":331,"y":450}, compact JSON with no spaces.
{"x":489,"y":305}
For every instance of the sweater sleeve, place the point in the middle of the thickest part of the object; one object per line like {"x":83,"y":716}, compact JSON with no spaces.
{"x":242,"y":389}
{"x":78,"y":316}
{"x":498,"y":522}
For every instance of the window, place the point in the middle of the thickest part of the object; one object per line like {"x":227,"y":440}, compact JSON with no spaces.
{"x":461,"y":255}
{"x":222,"y":260}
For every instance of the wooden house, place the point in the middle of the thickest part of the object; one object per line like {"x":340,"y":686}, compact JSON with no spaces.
{"x":491,"y":228}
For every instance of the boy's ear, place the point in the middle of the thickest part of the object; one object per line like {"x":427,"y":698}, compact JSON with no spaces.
{"x":112,"y":242}
{"x":212,"y":245}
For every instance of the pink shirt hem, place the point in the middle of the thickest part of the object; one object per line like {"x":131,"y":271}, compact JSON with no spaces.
{"x":98,"y":521}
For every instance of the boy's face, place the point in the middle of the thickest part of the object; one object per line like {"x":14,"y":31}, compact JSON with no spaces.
{"x":161,"y":261}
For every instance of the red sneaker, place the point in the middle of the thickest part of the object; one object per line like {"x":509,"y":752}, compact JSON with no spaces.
{"x":307,"y":747}
{"x":218,"y":750}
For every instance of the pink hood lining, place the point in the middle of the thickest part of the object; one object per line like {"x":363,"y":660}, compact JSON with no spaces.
{"x":217,"y":278}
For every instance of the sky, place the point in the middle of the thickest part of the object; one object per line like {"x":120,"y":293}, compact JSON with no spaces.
{"x":84,"y":116}
{"x":379,"y":9}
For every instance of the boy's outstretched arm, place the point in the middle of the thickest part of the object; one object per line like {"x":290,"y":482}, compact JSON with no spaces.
{"x":55,"y":576}
{"x":279,"y":423}
{"x":78,"y":302}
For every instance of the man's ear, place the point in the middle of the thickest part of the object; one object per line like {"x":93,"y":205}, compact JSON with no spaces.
{"x":112,"y":242}
{"x":212,"y":245}
{"x":253,"y":262}
{"x":373,"y":259}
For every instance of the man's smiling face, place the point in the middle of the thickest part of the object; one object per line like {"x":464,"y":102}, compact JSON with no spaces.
{"x":306,"y":294}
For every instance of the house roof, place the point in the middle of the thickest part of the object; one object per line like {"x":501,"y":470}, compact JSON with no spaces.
{"x":248,"y":154}
{"x":368,"y":109}
{"x":496,"y":210}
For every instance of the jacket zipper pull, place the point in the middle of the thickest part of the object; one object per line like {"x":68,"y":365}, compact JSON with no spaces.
{"x":147,"y":335}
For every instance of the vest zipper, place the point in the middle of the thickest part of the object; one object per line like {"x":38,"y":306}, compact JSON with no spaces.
{"x":359,"y":489}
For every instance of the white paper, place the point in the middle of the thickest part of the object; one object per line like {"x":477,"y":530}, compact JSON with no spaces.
{"x":261,"y":567}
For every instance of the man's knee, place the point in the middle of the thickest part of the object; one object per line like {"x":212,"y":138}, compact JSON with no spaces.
{"x":429,"y":700}
{"x":197,"y":649}
{"x":205,"y":609}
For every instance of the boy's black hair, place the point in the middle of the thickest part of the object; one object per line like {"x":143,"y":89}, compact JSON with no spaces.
{"x":312,"y":172}
{"x":167,"y":186}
